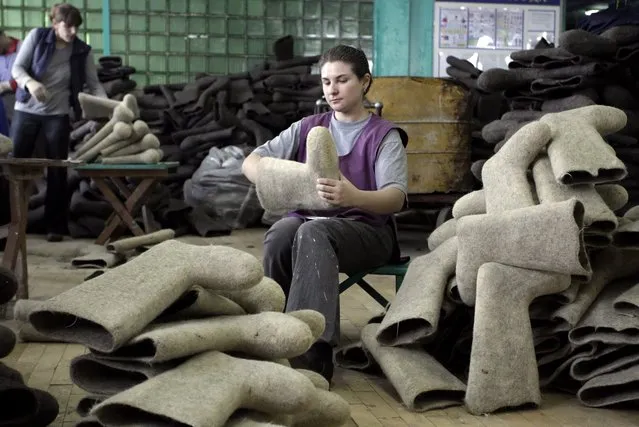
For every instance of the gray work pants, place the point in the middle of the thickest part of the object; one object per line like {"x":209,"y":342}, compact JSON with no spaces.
{"x":305,"y":258}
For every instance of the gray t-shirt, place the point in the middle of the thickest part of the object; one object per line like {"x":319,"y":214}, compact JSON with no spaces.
{"x":391,"y":169}
{"x":56,"y":78}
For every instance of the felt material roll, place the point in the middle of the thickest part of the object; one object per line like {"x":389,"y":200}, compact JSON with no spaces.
{"x":266,"y":335}
{"x":287,"y":185}
{"x":109,"y":377}
{"x":601,"y":323}
{"x":577,"y":152}
{"x":598,"y":217}
{"x":495,"y":382}
{"x":206,"y":390}
{"x":622,"y":35}
{"x":522,"y":238}
{"x":421,"y":382}
{"x":627,"y":303}
{"x":127,"y":244}
{"x":621,"y":387}
{"x":107,"y":311}
{"x":414,"y":314}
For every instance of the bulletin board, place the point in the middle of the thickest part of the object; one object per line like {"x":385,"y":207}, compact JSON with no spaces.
{"x":486,"y":33}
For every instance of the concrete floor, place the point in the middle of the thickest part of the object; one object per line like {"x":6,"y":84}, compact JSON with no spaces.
{"x":373,"y":401}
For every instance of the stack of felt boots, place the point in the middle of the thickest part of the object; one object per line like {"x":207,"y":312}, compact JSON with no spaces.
{"x":190,"y":335}
{"x":21,"y":405}
{"x":115,"y":77}
{"x":122,"y":139}
{"x":486,"y":108}
{"x":586,"y":68}
{"x":532,"y":284}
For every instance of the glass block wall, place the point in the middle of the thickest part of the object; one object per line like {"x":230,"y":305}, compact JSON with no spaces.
{"x":173,"y":40}
{"x":170,"y":41}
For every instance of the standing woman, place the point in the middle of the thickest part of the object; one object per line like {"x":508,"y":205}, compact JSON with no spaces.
{"x":52,"y":67}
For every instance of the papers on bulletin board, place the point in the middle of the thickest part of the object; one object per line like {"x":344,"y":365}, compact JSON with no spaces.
{"x":453,"y":28}
{"x":487,"y":32}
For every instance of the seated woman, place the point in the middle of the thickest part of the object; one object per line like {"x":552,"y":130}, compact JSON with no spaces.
{"x":305,"y":251}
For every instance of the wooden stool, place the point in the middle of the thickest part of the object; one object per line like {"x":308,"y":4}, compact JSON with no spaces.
{"x":395,"y":269}
{"x":21,"y":173}
{"x":126,"y":205}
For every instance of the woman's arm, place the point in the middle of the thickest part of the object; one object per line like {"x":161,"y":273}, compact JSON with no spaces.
{"x":22,"y":62}
{"x":391,"y":176}
{"x":93,"y":83}
{"x":249,"y":166}
{"x":283,"y":146}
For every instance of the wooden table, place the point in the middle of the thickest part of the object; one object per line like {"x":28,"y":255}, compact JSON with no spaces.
{"x":21,"y":173}
{"x":127,"y":203}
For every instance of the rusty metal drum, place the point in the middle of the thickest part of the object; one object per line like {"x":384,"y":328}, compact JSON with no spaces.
{"x":436,"y":114}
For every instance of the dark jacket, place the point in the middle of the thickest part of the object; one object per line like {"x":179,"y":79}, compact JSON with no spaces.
{"x":45,"y":47}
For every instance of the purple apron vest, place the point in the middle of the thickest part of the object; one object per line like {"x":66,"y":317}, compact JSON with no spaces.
{"x":358,"y":166}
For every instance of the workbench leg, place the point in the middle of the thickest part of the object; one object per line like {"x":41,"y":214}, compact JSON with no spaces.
{"x":124,"y":211}
{"x":15,"y":253}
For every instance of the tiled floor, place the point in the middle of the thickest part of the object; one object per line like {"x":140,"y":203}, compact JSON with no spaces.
{"x":372,"y":399}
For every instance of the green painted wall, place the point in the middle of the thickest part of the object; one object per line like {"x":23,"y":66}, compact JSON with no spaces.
{"x":403,"y":38}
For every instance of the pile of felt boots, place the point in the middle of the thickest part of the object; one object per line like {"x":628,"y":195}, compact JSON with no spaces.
{"x":184,"y":123}
{"x":123,"y":138}
{"x":533,"y":283}
{"x":190,"y":335}
{"x":585,"y":69}
{"x":115,"y":77}
{"x":22,"y":406}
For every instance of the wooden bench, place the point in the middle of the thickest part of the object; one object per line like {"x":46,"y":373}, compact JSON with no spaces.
{"x":127,"y":204}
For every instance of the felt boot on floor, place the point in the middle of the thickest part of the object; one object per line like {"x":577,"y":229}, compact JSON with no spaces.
{"x":414,"y":314}
{"x":608,"y":265}
{"x":503,"y":367}
{"x":603,"y":324}
{"x":266,"y":335}
{"x":207,"y":389}
{"x":107,"y":311}
{"x":421,"y":382}
{"x":542,"y":237}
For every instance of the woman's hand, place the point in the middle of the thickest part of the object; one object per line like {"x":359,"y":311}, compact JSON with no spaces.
{"x":338,"y":192}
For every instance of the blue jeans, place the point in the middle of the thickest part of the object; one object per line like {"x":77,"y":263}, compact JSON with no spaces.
{"x":28,"y":130}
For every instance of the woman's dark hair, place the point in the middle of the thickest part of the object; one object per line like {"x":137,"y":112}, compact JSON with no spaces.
{"x":353,"y":56}
{"x":64,"y":12}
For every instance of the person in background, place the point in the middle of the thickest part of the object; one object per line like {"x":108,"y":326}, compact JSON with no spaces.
{"x":305,"y":251}
{"x":8,"y":51}
{"x":52,"y":67}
